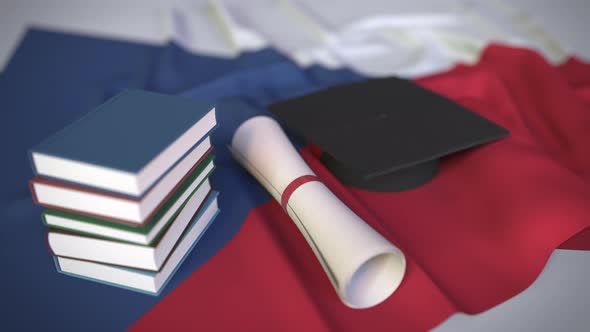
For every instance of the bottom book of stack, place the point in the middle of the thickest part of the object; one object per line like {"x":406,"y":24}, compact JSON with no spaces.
{"x":136,"y":263}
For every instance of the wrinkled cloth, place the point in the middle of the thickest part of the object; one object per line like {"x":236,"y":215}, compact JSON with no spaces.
{"x":475,"y":236}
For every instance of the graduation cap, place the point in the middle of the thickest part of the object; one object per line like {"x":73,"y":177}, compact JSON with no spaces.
{"x":384,"y":134}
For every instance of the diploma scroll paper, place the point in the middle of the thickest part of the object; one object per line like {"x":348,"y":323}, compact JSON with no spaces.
{"x":362,"y":265}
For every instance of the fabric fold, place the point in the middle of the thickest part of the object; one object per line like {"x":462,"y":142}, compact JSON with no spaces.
{"x":479,"y":233}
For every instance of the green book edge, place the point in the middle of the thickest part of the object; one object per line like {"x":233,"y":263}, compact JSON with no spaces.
{"x":138,"y":230}
{"x":212,"y":195}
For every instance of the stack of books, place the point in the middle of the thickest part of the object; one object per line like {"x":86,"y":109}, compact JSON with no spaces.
{"x":127,"y":189}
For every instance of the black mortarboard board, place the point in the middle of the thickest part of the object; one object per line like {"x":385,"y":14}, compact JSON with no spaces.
{"x":384,"y":134}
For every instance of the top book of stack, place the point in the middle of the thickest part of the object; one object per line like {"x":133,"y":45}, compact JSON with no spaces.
{"x":123,"y":159}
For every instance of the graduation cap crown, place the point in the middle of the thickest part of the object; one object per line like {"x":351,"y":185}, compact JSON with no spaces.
{"x":384,"y":134}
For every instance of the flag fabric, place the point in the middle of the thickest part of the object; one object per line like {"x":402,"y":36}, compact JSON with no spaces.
{"x":478,"y":234}
{"x":55,"y":78}
{"x":475,"y":236}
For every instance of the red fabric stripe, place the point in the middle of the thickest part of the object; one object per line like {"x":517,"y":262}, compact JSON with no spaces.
{"x":580,"y":241}
{"x":268,"y":279}
{"x":476,"y":235}
{"x":298,"y":182}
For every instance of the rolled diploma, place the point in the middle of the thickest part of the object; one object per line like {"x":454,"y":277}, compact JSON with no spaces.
{"x":362,"y":265}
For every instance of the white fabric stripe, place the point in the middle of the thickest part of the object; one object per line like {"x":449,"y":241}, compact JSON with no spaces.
{"x":557,"y":301}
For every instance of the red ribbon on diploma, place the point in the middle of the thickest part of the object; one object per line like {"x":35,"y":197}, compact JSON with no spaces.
{"x":298,"y":182}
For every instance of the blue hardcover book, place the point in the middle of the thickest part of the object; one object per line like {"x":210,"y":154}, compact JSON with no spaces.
{"x":126,"y":144}
{"x":140,"y":280}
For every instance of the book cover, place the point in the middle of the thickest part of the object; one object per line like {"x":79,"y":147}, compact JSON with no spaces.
{"x":126,"y":144}
{"x":138,"y":256}
{"x":148,"y":282}
{"x":105,"y":205}
{"x":106,"y":229}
